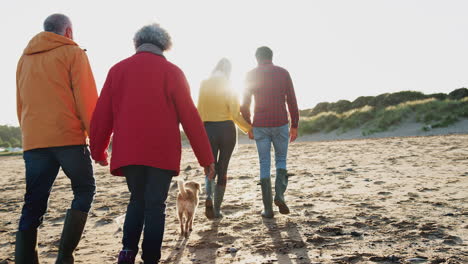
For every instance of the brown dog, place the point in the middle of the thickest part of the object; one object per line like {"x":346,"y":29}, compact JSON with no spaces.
{"x":187,"y":203}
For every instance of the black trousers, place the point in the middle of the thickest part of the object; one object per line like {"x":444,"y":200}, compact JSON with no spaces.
{"x":42,"y":167}
{"x":222,"y":136}
{"x":149,"y":188}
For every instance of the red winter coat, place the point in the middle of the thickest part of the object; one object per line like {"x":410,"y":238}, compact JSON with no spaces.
{"x":143,"y":101}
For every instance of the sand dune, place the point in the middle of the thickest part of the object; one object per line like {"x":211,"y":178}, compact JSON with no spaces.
{"x":391,"y":200}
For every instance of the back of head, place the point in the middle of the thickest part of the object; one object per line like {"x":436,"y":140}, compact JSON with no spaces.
{"x":57,"y":23}
{"x":224,"y":67}
{"x":153,"y":34}
{"x":264,"y":54}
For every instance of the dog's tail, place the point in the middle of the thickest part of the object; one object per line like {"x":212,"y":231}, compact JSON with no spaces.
{"x":183,"y":192}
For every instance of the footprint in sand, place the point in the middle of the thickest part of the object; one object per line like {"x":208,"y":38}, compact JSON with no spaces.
{"x":452,"y":240}
{"x":103,"y":221}
{"x":384,"y":193}
{"x":331,"y":231}
{"x":405,"y":225}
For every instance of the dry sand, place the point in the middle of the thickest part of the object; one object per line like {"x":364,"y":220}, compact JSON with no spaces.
{"x":391,"y":200}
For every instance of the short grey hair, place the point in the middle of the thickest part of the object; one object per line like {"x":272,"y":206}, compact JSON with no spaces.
{"x":57,"y":23}
{"x":153,"y":34}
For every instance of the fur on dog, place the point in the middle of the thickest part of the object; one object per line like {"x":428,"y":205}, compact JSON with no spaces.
{"x":187,"y":203}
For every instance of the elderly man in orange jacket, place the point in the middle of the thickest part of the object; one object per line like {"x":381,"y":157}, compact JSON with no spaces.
{"x":56,"y":96}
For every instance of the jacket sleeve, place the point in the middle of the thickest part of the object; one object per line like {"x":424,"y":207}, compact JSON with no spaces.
{"x":234,"y":110}
{"x":84,"y":87}
{"x":19,"y":104}
{"x":102,"y":123}
{"x":200,"y":104}
{"x":189,"y":118}
{"x":292,"y":102}
{"x":247,"y":99}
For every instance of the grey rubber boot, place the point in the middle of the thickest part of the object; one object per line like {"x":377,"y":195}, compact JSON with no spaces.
{"x":209,"y":187}
{"x":267,"y":198}
{"x":25,"y":247}
{"x":281,"y":183}
{"x":218,"y":200}
{"x":72,"y":230}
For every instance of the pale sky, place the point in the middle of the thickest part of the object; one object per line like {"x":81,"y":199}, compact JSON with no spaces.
{"x":333,"y":49}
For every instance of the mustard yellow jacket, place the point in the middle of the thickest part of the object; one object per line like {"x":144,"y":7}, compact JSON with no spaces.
{"x":217,"y":102}
{"x":56,"y":92}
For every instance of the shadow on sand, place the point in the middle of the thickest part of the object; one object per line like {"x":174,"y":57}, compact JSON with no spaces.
{"x":292,"y":244}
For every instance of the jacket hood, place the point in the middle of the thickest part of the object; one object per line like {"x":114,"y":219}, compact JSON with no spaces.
{"x":46,"y":41}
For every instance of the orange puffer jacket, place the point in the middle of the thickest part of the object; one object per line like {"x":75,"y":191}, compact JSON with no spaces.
{"x":56,"y":92}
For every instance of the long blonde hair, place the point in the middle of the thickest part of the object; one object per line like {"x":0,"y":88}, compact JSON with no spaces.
{"x":224,"y":67}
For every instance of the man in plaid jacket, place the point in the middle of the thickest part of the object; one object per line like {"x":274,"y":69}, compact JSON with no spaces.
{"x":272,"y":88}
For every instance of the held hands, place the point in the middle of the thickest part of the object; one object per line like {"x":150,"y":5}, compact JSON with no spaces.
{"x":251,"y":135}
{"x":103,"y":162}
{"x":210,"y":171}
{"x":292,"y":134}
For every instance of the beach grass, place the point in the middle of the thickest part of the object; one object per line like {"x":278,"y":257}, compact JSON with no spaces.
{"x":6,"y":154}
{"x":430,"y":112}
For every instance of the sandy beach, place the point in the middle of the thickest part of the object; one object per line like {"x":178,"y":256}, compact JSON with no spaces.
{"x":387,"y":200}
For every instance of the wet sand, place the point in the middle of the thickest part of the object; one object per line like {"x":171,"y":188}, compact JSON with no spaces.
{"x":388,"y":200}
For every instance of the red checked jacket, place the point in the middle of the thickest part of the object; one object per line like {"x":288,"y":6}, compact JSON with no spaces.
{"x":143,"y":101}
{"x":272,"y":89}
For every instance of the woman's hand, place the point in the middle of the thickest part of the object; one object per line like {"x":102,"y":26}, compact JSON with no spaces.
{"x":251,"y":135}
{"x":210,"y":171}
{"x":103,"y":162}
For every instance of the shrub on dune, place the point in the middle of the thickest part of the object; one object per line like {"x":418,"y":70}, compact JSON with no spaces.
{"x":442,"y":113}
{"x":438,"y":96}
{"x":362,"y":101}
{"x":327,"y":122}
{"x":357,"y":117}
{"x":340,"y":107}
{"x":458,"y":94}
{"x":319,"y":108}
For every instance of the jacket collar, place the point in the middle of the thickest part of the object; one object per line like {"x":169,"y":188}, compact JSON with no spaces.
{"x":265,"y":62}
{"x":46,"y":41}
{"x":148,"y":47}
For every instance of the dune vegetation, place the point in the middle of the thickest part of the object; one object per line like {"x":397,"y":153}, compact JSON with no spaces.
{"x":10,"y":137}
{"x":381,"y":113}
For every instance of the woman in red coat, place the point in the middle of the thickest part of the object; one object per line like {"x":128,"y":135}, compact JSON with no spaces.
{"x":143,"y":101}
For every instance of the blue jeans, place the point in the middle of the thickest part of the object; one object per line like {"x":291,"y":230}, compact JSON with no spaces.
{"x":264,"y":136}
{"x":42,"y":167}
{"x":148,"y":188}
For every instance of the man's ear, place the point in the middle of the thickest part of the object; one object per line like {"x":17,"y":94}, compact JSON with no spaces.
{"x":69,"y":33}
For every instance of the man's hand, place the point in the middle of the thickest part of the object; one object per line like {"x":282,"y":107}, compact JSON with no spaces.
{"x":251,"y":135}
{"x":103,"y":162}
{"x":210,"y":171}
{"x":292,"y":134}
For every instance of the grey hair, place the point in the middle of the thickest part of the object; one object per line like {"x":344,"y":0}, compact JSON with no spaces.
{"x":153,"y":34}
{"x":57,"y":23}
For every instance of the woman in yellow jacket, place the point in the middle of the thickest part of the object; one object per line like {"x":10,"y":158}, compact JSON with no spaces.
{"x":219,"y":109}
